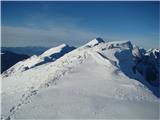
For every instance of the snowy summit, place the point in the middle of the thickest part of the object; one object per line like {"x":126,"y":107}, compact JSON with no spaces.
{"x":99,"y":80}
{"x":95,"y":41}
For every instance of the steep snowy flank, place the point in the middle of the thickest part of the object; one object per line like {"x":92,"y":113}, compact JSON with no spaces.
{"x":48,"y":56}
{"x":94,"y":81}
{"x":147,"y":63}
{"x":136,"y":52}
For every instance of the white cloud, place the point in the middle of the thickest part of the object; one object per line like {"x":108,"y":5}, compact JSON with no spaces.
{"x":20,"y":36}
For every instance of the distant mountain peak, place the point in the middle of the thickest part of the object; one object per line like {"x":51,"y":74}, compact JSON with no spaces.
{"x":63,"y":45}
{"x":55,"y":50}
{"x":95,"y":42}
{"x":99,"y":39}
{"x":50,"y":55}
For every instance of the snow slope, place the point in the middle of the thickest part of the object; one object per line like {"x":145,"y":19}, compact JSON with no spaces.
{"x":48,"y":56}
{"x":89,"y":82}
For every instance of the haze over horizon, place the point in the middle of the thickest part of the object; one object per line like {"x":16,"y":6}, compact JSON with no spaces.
{"x":49,"y":24}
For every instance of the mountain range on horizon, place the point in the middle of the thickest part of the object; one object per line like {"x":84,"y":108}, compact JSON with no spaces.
{"x":95,"y":80}
{"x":28,"y":50}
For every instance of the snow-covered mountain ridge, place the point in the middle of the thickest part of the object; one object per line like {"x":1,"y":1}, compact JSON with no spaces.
{"x":83,"y":83}
{"x":48,"y":56}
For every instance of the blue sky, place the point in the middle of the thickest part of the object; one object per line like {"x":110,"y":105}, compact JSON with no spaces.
{"x":75,"y":23}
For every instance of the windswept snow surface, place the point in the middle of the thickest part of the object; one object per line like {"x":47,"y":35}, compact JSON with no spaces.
{"x":88,"y":82}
